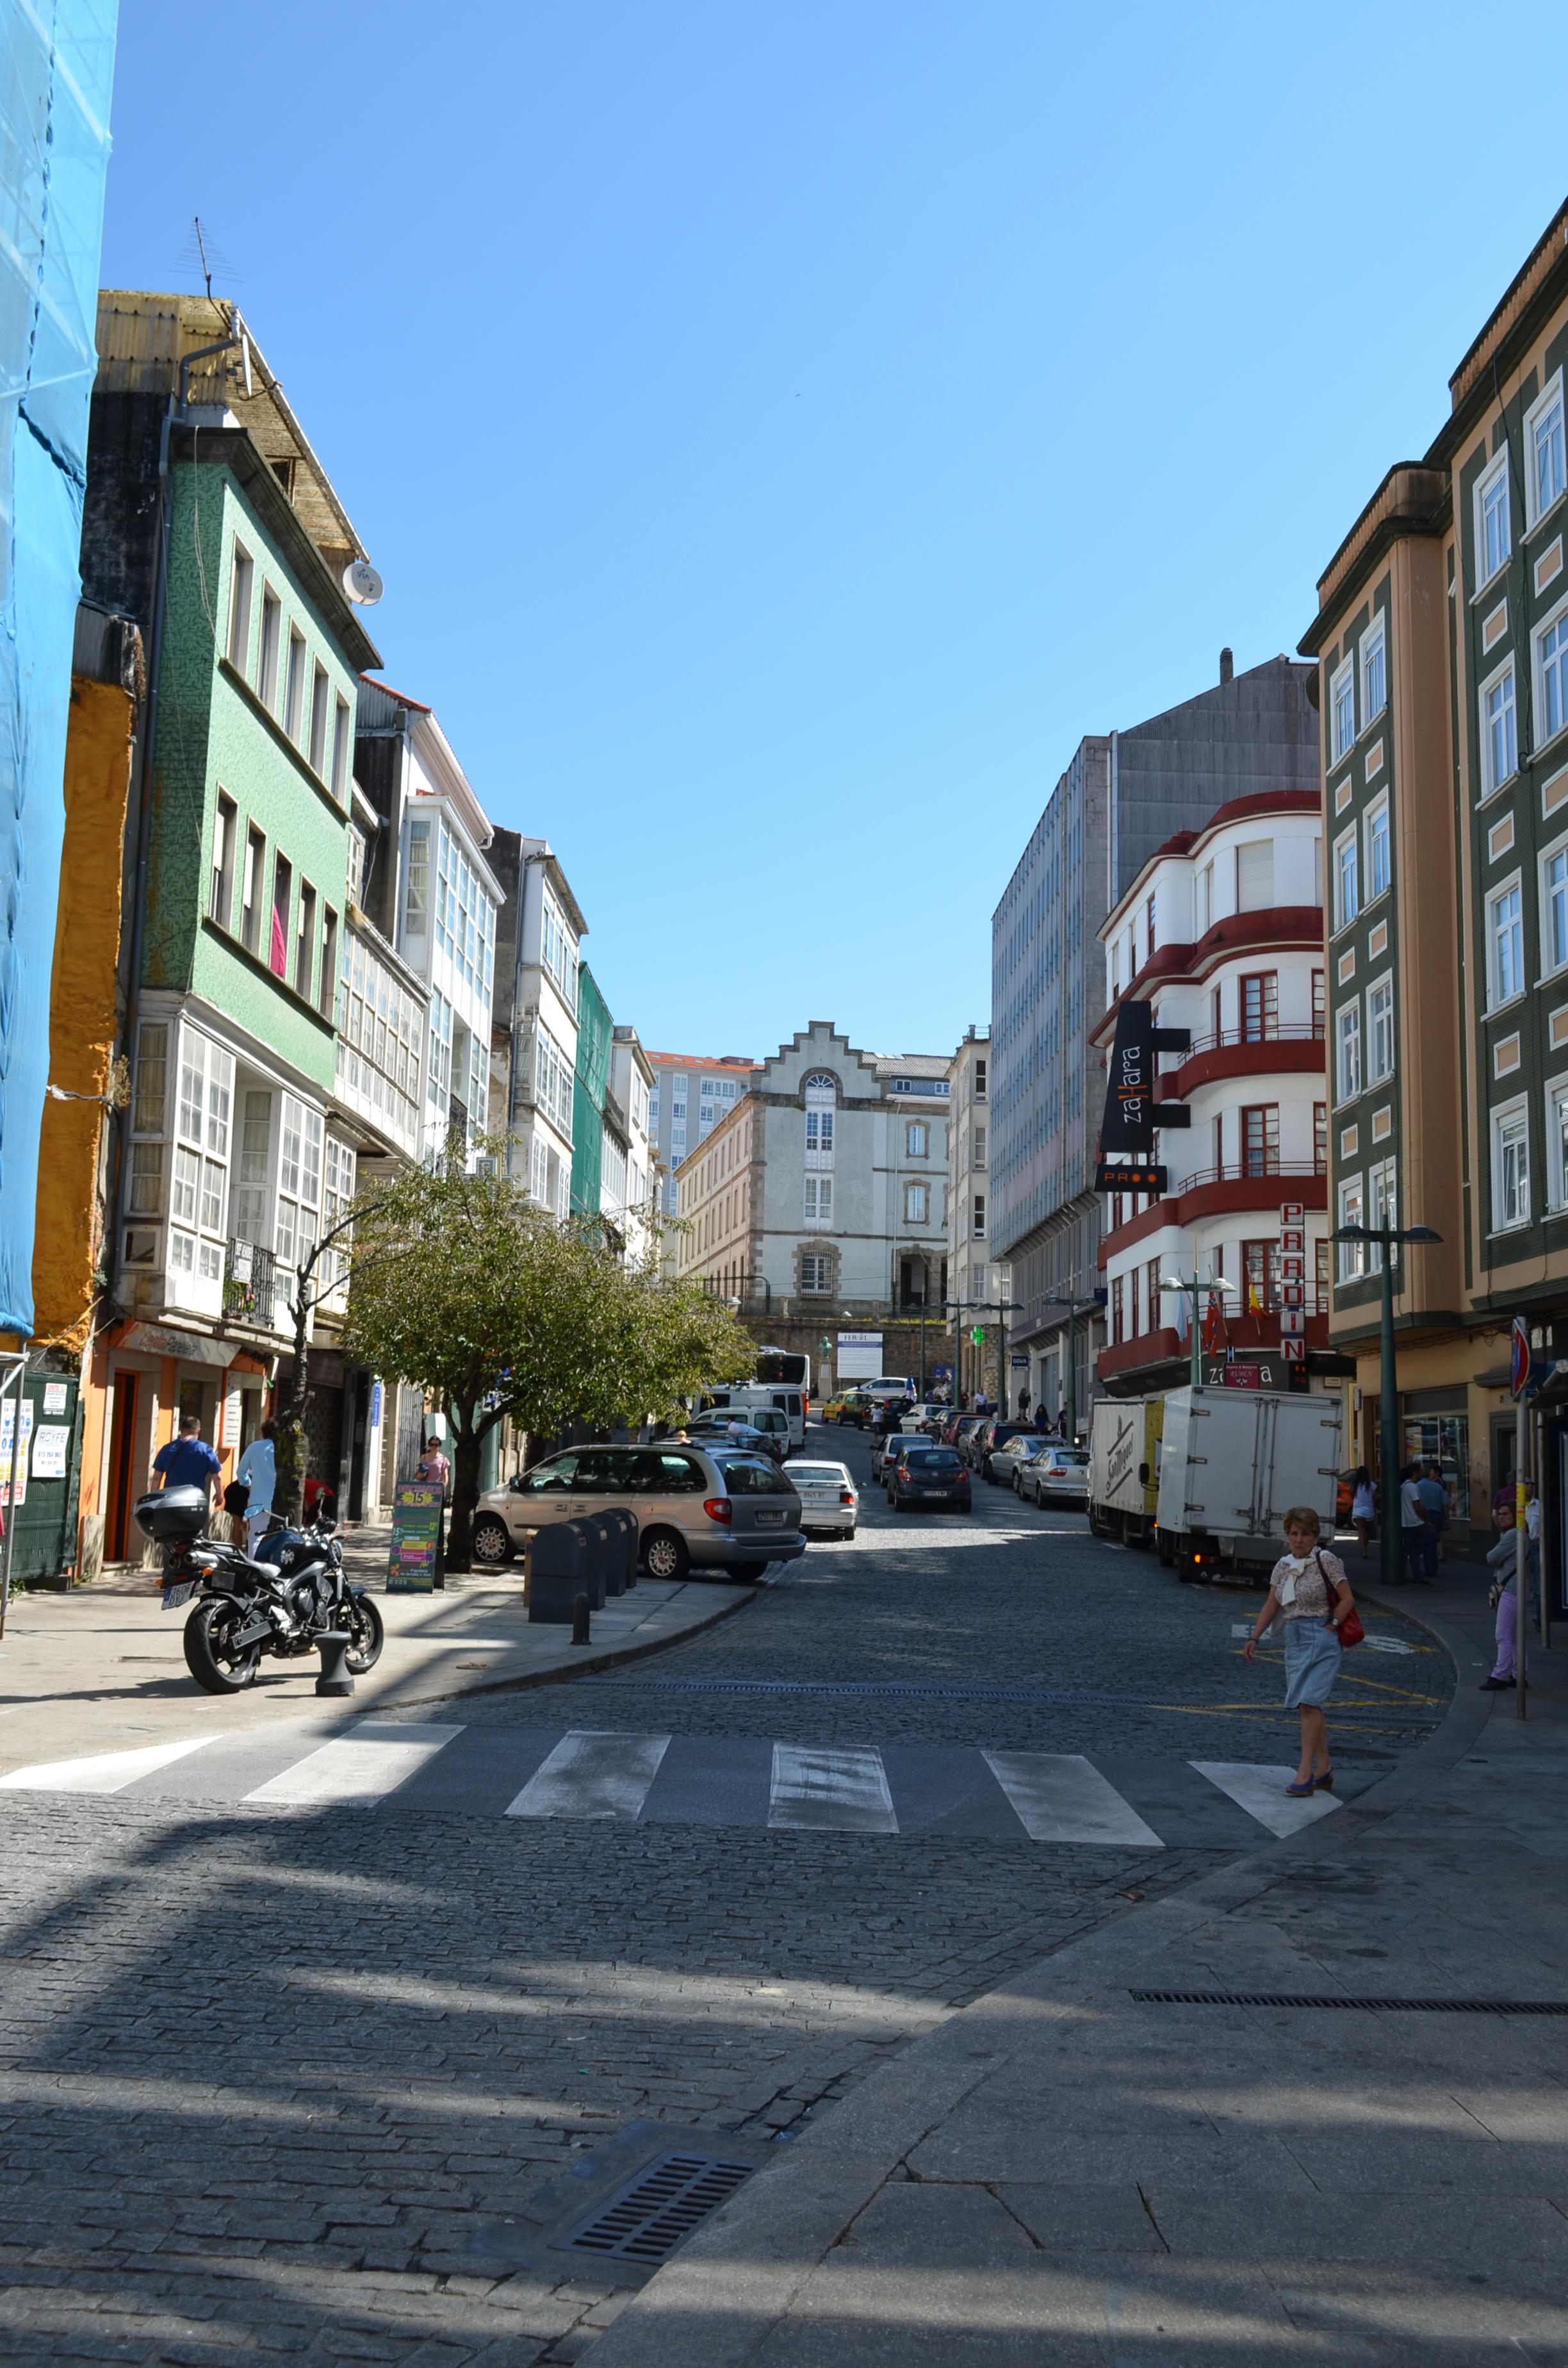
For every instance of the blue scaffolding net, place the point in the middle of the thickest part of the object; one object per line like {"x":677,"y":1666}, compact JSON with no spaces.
{"x":56,"y":74}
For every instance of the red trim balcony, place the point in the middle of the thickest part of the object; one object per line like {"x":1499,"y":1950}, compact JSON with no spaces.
{"x":1223,"y":1192}
{"x":1271,"y":927}
{"x":1292,"y":1051}
{"x":1249,"y":1336}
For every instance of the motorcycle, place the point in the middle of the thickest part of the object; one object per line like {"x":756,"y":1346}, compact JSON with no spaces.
{"x":281,"y":1601}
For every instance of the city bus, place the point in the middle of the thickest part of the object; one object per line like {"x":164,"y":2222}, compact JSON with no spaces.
{"x":784,"y":1369}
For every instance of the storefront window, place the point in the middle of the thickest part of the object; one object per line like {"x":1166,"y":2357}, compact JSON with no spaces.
{"x":1443,"y":1439}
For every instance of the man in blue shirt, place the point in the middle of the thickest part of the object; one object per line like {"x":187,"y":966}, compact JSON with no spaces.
{"x":186,"y":1461}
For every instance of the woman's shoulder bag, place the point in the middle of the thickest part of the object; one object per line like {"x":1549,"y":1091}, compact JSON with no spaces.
{"x":1350,"y":1629}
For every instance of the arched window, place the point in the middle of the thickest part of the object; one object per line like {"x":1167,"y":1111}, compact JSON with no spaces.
{"x":821,"y":1094}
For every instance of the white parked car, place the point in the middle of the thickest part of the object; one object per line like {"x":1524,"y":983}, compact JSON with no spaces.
{"x":830,"y":1502}
{"x":1058,"y":1476}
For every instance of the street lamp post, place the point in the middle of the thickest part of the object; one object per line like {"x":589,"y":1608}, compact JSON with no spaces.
{"x":1076,"y":1307}
{"x":1388,"y":1392}
{"x":1195,"y":1284}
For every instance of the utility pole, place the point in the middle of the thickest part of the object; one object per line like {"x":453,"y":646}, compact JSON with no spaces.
{"x":1388,"y":1392}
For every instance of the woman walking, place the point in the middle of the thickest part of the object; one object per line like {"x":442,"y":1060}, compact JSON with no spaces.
{"x":1310,"y":1595}
{"x":1363,"y":1506}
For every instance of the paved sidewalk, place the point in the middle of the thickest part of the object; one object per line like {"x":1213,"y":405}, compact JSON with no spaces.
{"x":102,"y":1669}
{"x":1067,"y":2173}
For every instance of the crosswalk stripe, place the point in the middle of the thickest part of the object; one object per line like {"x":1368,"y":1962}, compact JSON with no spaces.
{"x":1261,"y":1793}
{"x":841,"y":1792}
{"x":592,"y":1773}
{"x":104,"y":1771}
{"x":1060,"y":1797}
{"x":364,"y":1765}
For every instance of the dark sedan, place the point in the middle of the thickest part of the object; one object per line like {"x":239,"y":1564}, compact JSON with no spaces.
{"x":927,"y":1477}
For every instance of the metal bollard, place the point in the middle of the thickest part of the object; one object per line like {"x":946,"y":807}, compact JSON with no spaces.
{"x":580,"y":1611}
{"x":335,"y":1676}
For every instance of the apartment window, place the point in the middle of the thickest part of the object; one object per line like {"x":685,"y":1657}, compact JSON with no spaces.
{"x":1321,"y":1248}
{"x":820,"y":1093}
{"x":1510,"y":1168}
{"x":192,"y":1085}
{"x":1260,"y":1006}
{"x":320,"y":694}
{"x":1320,"y":1138}
{"x":917,"y":1139}
{"x":185,"y":1186}
{"x":1149,"y":911}
{"x":1260,"y":1139}
{"x":1116,"y":1312}
{"x":417,"y":882}
{"x":1152,"y":1293}
{"x":1347,"y":1052}
{"x":1352,"y":1212}
{"x":816,"y":1275}
{"x":271,"y":640}
{"x":1543,"y":443}
{"x":1346,"y":880}
{"x":917,"y":1203}
{"x":1342,"y":709}
{"x":340,"y":742}
{"x":1506,"y":943}
{"x":977,"y":1149}
{"x":242,"y":585}
{"x":980,"y":1081}
{"x":356,"y":867}
{"x":1379,"y":1031}
{"x":1374,"y":672}
{"x":152,"y":1077}
{"x":977,"y":1219}
{"x":1383,"y":1201}
{"x":1552,"y":677}
{"x":220,"y":1090}
{"x":220,"y":897}
{"x":250,"y":898}
{"x":211,"y":1196}
{"x":1205,"y":898}
{"x":1260,"y":1278}
{"x":146,"y":1194}
{"x":328,"y":997}
{"x":305,"y":940}
{"x":294,"y":687}
{"x":282,"y":892}
{"x":1499,"y":731}
{"x":1379,"y":871}
{"x":250,"y":1183}
{"x":1554,"y":909}
{"x":1319,"y":1002}
{"x":1557,"y":1142}
{"x":1493,"y":527}
{"x":1255,"y":875}
{"x":819,"y":1199}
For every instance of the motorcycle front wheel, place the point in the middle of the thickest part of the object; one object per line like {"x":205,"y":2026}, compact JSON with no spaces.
{"x":361,"y":1617}
{"x":209,"y":1653}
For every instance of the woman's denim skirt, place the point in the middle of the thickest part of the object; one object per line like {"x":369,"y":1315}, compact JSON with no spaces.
{"x":1313,"y":1655}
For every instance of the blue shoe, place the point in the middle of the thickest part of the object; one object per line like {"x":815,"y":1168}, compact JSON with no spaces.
{"x":1300,"y":1792}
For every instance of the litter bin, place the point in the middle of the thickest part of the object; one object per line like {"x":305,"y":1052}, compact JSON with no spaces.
{"x":558,"y":1571}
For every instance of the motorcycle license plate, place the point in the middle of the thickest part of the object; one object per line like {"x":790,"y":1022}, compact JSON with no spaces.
{"x":174,"y":1596}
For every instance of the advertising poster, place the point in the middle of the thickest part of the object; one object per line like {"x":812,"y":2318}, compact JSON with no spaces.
{"x":51,"y":1443}
{"x":7,"y":1439}
{"x":417,"y":1529}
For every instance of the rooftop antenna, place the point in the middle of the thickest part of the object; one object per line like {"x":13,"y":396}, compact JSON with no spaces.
{"x":201,"y":250}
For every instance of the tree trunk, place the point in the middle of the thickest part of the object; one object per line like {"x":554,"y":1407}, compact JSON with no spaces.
{"x":288,"y":1439}
{"x":465,"y":1487}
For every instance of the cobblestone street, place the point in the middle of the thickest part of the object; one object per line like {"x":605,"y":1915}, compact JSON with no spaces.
{"x":280,"y":2078}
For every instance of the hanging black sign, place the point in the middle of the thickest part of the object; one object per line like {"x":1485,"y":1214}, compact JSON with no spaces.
{"x":1132,"y":1114}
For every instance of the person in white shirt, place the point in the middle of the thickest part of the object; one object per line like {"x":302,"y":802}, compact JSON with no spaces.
{"x":259,"y":1470}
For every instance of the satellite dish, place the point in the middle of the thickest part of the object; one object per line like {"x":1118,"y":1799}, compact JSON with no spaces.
{"x":362,"y":583}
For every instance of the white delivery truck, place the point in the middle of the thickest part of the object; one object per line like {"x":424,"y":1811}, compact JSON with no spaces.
{"x":1124,"y":1467}
{"x":1231,"y":1463}
{"x":740,"y":1395}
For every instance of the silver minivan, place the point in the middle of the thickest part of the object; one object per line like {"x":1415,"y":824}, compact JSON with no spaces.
{"x":694,"y":1507}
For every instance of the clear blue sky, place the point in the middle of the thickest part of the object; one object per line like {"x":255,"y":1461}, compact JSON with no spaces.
{"x":785,"y":429}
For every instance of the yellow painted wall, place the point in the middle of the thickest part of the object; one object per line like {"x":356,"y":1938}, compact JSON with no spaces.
{"x":81,"y":1006}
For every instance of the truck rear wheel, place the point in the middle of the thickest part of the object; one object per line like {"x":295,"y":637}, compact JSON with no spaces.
{"x":1166,"y":1546}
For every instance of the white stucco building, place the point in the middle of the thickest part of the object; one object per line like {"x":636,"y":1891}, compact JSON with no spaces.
{"x":1222,"y":930}
{"x":534,"y":1053}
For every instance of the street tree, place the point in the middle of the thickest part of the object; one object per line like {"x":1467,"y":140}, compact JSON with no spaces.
{"x":465,"y":1289}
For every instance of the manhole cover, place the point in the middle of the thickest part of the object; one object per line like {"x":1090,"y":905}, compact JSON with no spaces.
{"x":657,"y":2209}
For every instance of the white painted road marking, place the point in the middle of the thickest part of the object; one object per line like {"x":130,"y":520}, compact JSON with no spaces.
{"x":593,"y":1774}
{"x":106,"y":1772}
{"x":1059,"y":1797}
{"x":364,"y":1765}
{"x":838,"y":1791}
{"x":1261,"y":1793}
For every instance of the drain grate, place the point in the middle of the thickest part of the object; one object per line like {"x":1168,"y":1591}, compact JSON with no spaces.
{"x":1356,"y":2005}
{"x":657,"y":2209}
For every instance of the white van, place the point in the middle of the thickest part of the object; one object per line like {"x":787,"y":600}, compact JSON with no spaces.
{"x":788,"y":1403}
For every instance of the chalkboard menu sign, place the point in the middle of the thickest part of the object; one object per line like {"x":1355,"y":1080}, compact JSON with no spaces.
{"x":415,"y":1537}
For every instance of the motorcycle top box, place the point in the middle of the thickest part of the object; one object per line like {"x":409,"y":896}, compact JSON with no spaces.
{"x":172,"y":1516}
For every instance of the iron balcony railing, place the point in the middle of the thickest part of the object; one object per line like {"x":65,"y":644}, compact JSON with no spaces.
{"x":1260,"y":1031}
{"x":250,"y":1284}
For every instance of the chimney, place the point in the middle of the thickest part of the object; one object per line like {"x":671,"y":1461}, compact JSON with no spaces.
{"x":1227,"y":666}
